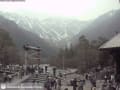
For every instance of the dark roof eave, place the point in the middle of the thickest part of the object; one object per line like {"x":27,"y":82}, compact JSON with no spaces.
{"x":109,"y":49}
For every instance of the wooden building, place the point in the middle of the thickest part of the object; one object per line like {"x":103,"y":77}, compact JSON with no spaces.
{"x":113,"y":46}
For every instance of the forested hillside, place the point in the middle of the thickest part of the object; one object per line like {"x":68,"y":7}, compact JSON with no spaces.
{"x":22,"y":37}
{"x":107,"y":25}
{"x":84,"y":56}
{"x":8,"y":52}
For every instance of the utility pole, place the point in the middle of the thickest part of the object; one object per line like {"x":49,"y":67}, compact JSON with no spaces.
{"x":63,"y":62}
{"x":26,"y":57}
{"x":38,"y":53}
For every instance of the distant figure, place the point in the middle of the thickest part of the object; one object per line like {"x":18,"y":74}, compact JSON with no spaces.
{"x":60,"y":74}
{"x":112,"y":78}
{"x":93,"y":82}
{"x":55,"y":82}
{"x":46,"y":67}
{"x":86,"y":76}
{"x":74,"y":84}
{"x":9,"y":77}
{"x":36,"y":73}
{"x":105,"y":78}
{"x":104,"y":86}
{"x":59,"y":83}
{"x":4,"y":77}
{"x":42,"y":70}
{"x":81,"y":84}
{"x":54,"y":71}
{"x":47,"y":84}
{"x":52,"y":81}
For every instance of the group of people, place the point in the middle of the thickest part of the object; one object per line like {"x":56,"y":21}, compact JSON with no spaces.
{"x":9,"y":72}
{"x":52,"y":83}
{"x":77,"y":84}
{"x":108,"y":81}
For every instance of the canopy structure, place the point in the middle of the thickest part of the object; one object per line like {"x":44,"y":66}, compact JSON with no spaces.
{"x":32,"y":53}
{"x":28,"y":47}
{"x":113,"y":43}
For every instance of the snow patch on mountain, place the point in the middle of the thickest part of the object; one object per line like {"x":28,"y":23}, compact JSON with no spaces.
{"x":51,"y":29}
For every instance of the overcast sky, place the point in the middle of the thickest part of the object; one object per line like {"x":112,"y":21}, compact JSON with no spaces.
{"x":82,"y":9}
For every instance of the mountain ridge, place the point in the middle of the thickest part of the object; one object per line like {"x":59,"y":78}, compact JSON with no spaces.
{"x":22,"y":37}
{"x":53,"y":29}
{"x":104,"y":26}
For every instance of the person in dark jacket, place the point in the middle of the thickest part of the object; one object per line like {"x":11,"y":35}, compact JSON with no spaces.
{"x":59,"y":83}
{"x":74,"y":83}
{"x":46,"y":68}
{"x":54,"y":71}
{"x":47,"y":84}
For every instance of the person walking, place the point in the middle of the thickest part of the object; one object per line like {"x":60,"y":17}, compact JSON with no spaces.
{"x":74,"y":82}
{"x":59,"y":84}
{"x":93,"y":82}
{"x":55,"y":82}
{"x":46,"y":68}
{"x":47,"y":84}
{"x":81,"y":84}
{"x":52,"y":83}
{"x":36,"y":73}
{"x":54,"y":71}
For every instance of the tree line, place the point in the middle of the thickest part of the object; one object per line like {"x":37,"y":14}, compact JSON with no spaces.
{"x":8,"y":51}
{"x":84,"y":55}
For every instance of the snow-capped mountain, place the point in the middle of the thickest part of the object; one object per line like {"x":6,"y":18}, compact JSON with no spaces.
{"x":53,"y":29}
{"x":21,"y":37}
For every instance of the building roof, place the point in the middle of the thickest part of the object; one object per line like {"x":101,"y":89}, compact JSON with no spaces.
{"x":112,"y":43}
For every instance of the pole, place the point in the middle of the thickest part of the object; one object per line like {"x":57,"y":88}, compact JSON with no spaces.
{"x":63,"y":63}
{"x":39,"y":57}
{"x":25,"y":62}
